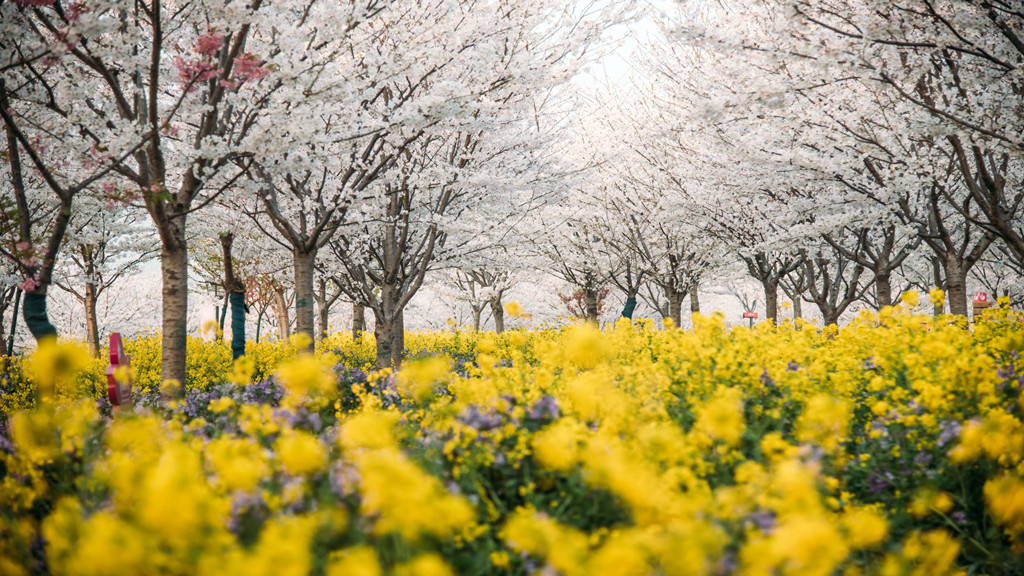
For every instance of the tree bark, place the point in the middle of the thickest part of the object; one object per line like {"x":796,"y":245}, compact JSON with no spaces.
{"x":281,"y":312}
{"x":771,"y":299}
{"x":477,"y":313}
{"x":92,"y":331}
{"x":694,"y":300}
{"x":389,"y":329}
{"x":883,"y":284}
{"x":323,"y":314}
{"x":174,"y":271}
{"x":304,"y":294}
{"x":675,"y":306}
{"x":830,"y":316}
{"x":798,"y":308}
{"x":939,"y":282}
{"x":358,"y":320}
{"x":956,"y":286}
{"x":499,"y":315}
{"x":590,"y":296}
{"x":629,"y":307}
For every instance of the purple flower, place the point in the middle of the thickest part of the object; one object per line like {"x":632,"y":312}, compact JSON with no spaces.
{"x":482,"y":421}
{"x":792,"y":366}
{"x":879,"y":482}
{"x":764,"y":520}
{"x":545,"y":408}
{"x":948,"y":432}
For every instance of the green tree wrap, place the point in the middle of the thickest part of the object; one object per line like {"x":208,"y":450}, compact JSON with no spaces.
{"x":237,"y":300}
{"x":36,"y":319}
{"x":627,"y":310}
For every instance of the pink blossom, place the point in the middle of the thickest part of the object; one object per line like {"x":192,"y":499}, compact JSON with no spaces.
{"x":23,"y":246}
{"x":208,"y":44}
{"x":195,"y":70}
{"x":155,"y":188}
{"x":109,"y":187}
{"x":249,"y":67}
{"x":75,"y":11}
{"x":29,"y":284}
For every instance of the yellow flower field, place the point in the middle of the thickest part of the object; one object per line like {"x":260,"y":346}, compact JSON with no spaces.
{"x":891,"y":446}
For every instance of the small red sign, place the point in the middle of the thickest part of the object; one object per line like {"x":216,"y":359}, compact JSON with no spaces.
{"x":750,"y":314}
{"x":980,"y":297}
{"x":118,"y":392}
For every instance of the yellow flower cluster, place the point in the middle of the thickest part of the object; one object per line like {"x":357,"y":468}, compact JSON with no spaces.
{"x":891,"y":446}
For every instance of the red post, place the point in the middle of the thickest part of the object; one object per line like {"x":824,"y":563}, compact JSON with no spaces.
{"x":119,"y":392}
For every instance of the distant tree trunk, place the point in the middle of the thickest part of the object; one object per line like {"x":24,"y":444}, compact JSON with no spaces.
{"x":221,"y":317}
{"x":304,"y":294}
{"x":259,"y":324}
{"x":322,"y":319}
{"x":830,"y":316}
{"x":675,"y":305}
{"x":630,"y":306}
{"x":358,"y":320}
{"x":477,"y":313}
{"x":956,"y":286}
{"x":591,"y":296}
{"x":771,"y":299}
{"x":883,"y":284}
{"x":281,"y":313}
{"x":499,"y":314}
{"x":235,"y":291}
{"x":694,"y":300}
{"x":940,"y":282}
{"x":798,"y":308}
{"x":92,"y":331}
{"x":389,"y":329}
{"x":14,"y":321}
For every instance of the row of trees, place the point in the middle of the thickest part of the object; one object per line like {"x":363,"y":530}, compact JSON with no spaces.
{"x":373,"y":129}
{"x":835,"y":152}
{"x":838,"y":152}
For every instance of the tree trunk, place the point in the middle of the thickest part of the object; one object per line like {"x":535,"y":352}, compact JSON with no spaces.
{"x":499,"y":315}
{"x":222,"y":315}
{"x":771,"y":299}
{"x":174,"y":269}
{"x":92,"y":331}
{"x":798,"y":308}
{"x":18,"y":294}
{"x":237,"y":325}
{"x":389,"y":329}
{"x":694,"y":300}
{"x":398,"y":335}
{"x":477,"y":313}
{"x":281,"y":312}
{"x":883,"y":285}
{"x":956,"y":286}
{"x":940,"y":282}
{"x":830,"y":316}
{"x":590,"y":298}
{"x":304,"y":294}
{"x":259,"y":324}
{"x":629,"y":307}
{"x":675,"y":306}
{"x":358,"y":320}
{"x":323,"y":311}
